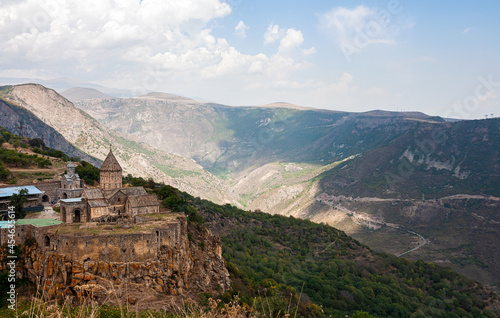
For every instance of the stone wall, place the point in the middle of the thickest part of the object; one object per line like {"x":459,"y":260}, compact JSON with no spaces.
{"x":112,"y":247}
{"x":68,"y":193}
{"x":22,"y":233}
{"x":161,"y":262}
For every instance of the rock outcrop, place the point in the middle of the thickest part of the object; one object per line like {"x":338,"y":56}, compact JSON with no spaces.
{"x":151,"y":263}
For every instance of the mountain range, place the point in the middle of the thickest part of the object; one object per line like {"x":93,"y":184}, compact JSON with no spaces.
{"x":394,"y":180}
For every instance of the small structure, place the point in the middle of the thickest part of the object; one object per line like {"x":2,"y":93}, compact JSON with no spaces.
{"x":34,"y":197}
{"x":71,"y":184}
{"x":110,"y":201}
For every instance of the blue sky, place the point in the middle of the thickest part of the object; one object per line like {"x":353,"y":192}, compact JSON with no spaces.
{"x":441,"y":58}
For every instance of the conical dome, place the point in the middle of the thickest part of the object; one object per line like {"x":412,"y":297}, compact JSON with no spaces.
{"x":110,"y":163}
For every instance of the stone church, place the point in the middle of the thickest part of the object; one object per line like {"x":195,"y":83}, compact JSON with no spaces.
{"x":71,"y":184}
{"x":111,"y":201}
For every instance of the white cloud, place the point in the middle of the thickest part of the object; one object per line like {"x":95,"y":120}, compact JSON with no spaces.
{"x":241,"y":29}
{"x":273,"y":34}
{"x":289,"y":39}
{"x":355,"y":29}
{"x":309,"y":51}
{"x":129,"y":43}
{"x":292,"y":39}
{"x":346,"y":22}
{"x":466,"y":30}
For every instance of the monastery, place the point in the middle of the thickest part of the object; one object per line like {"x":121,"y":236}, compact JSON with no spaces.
{"x":109,"y":202}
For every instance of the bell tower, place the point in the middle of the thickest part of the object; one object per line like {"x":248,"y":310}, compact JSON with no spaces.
{"x":110,"y":173}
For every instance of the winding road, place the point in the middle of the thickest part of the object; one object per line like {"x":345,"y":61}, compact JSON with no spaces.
{"x":424,"y":241}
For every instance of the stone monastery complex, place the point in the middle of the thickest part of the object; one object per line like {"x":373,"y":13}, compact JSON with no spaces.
{"x":108,"y":202}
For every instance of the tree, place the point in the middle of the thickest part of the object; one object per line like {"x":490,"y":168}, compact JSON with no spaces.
{"x":362,"y":314}
{"x":4,"y":172}
{"x":37,"y":142}
{"x":88,"y":172}
{"x":17,"y":200}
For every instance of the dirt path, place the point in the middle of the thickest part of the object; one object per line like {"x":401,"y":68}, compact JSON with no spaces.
{"x":376,"y":223}
{"x":424,"y":241}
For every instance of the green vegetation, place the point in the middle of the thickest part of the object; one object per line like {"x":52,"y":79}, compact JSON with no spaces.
{"x":18,"y":159}
{"x":88,"y":172}
{"x":139,"y":182}
{"x":177,"y":173}
{"x":4,"y":172}
{"x":447,"y":159}
{"x":172,"y":199}
{"x":276,"y":256}
{"x":17,"y":200}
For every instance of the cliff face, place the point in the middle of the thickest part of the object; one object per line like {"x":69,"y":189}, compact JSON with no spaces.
{"x":152,"y":271}
{"x":12,"y":116}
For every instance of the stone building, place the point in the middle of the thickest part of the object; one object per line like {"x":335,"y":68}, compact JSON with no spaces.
{"x":110,"y":201}
{"x":71,"y":184}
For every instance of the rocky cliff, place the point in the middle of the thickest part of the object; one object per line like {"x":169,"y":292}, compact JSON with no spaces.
{"x":178,"y":267}
{"x":19,"y":120}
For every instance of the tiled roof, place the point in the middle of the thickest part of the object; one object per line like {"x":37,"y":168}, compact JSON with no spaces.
{"x":97,"y":203}
{"x":93,"y":194}
{"x":110,"y":163}
{"x":134,"y":191}
{"x":143,"y":200}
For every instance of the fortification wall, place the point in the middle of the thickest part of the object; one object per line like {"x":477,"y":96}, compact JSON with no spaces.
{"x":21,"y":234}
{"x":158,"y":262}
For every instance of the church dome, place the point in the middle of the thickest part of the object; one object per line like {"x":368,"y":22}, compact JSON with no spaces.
{"x":70,"y":165}
{"x":110,"y":163}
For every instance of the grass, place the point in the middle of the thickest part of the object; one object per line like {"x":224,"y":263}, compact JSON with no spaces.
{"x":178,"y":173}
{"x":39,"y":307}
{"x":221,"y":131}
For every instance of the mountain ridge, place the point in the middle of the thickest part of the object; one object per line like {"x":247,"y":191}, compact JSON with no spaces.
{"x":82,"y":93}
{"x":332,"y":167}
{"x":136,"y":157}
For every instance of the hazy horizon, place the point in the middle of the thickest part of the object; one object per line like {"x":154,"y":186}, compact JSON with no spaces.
{"x":436,"y":58}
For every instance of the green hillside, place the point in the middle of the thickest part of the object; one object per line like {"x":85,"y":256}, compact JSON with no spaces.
{"x":274,"y":257}
{"x":433,"y":160}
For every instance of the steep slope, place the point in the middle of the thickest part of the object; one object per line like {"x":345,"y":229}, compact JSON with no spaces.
{"x":16,"y":118}
{"x":433,"y":160}
{"x":231,"y":139}
{"x":376,"y":175}
{"x":274,"y":257}
{"x":435,"y":187}
{"x":137,"y":158}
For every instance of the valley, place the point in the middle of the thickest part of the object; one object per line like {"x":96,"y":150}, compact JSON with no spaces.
{"x":389,"y":179}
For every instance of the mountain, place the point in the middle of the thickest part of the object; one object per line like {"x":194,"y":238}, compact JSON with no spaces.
{"x":81,"y":93}
{"x":89,"y":136}
{"x":390,"y":179}
{"x":20,"y":120}
{"x":271,"y":258}
{"x":64,"y":83}
{"x":402,"y":182}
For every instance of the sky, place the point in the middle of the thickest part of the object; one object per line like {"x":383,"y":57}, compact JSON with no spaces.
{"x":438,"y":57}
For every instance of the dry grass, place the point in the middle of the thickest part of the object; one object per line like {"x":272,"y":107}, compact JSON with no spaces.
{"x":39,"y":308}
